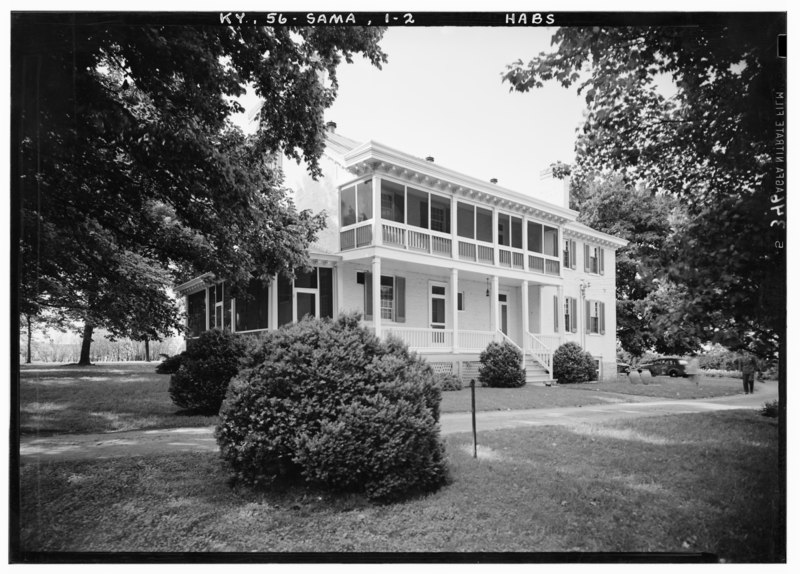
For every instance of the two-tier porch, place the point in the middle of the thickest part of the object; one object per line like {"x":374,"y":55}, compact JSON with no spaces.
{"x":449,"y":313}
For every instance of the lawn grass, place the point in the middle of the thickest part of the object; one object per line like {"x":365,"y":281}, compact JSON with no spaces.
{"x":57,"y":399}
{"x":668,"y":387}
{"x":527,"y":397}
{"x":682,"y":483}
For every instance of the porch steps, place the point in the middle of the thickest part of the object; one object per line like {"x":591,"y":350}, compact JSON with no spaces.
{"x":535,"y":374}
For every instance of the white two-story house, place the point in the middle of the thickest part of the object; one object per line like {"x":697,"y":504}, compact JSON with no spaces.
{"x":444,"y":261}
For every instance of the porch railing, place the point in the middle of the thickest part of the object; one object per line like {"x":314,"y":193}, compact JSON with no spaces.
{"x":540,"y":348}
{"x":503,"y":337}
{"x":475,"y":341}
{"x":439,"y":339}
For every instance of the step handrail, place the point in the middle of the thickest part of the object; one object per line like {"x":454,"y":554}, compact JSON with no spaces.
{"x":539,"y":352}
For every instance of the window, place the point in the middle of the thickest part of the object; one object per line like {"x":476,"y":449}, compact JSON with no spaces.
{"x":535,"y":241}
{"x":570,"y":314}
{"x":356,"y":203}
{"x":542,"y":239}
{"x":440,"y":214}
{"x":438,"y":298}
{"x":595,"y":317}
{"x":387,"y":297}
{"x":593,"y":259}
{"x":516,"y":233}
{"x":252,"y":307}
{"x":392,"y":201}
{"x":483,"y":224}
{"x":196,"y":313}
{"x":550,"y":241}
{"x":417,"y":208}
{"x":392,"y":302}
{"x":503,"y":229}
{"x":570,"y":253}
{"x":311,"y":293}
{"x":465,"y":214}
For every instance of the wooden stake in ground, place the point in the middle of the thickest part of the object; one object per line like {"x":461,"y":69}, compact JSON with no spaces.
{"x":474,"y":429}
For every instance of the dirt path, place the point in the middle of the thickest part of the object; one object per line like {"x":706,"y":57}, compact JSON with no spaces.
{"x":166,"y":441}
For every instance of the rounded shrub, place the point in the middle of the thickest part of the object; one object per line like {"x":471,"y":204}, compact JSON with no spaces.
{"x":207,"y":366}
{"x":501,"y":366}
{"x":328,"y":403}
{"x":170,"y":365}
{"x":448,"y":382}
{"x":571,"y":364}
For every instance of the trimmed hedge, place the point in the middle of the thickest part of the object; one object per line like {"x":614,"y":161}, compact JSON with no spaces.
{"x":328,"y":403}
{"x":571,"y":364}
{"x":200,"y":383}
{"x":170,"y":365}
{"x":501,"y":366}
{"x":448,"y":382}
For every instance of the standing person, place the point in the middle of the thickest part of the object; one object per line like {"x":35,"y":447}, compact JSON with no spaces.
{"x":693,"y":369}
{"x":748,"y":373}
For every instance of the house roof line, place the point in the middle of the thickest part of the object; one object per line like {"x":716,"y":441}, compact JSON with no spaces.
{"x":576,"y":229}
{"x":373,"y":150}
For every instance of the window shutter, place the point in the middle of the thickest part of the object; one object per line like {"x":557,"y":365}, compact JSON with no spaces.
{"x":555,"y":313}
{"x":587,"y":263}
{"x":588,"y":317}
{"x":368,"y":296}
{"x":601,"y":264}
{"x":573,"y":253}
{"x":573,"y":313}
{"x":400,"y":299}
{"x":602,"y":313}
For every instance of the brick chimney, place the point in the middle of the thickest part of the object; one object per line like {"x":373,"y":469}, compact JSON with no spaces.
{"x":429,"y":158}
{"x":331,"y":127}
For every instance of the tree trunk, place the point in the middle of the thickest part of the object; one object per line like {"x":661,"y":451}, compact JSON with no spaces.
{"x":28,"y":356}
{"x":86,"y":344}
{"x":147,"y":350}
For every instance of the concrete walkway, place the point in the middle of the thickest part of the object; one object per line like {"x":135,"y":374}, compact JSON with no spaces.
{"x":167,"y":441}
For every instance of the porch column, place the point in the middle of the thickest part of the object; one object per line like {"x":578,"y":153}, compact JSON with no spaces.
{"x":454,"y":305}
{"x":495,"y":239}
{"x":526,"y":328}
{"x":495,"y":303}
{"x":377,"y":230}
{"x":524,"y":243}
{"x":273,"y":303}
{"x":453,"y":228}
{"x":337,"y":269}
{"x":376,"y":295}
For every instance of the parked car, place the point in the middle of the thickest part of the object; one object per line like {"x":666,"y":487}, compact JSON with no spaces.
{"x":623,"y":368}
{"x":672,"y":366}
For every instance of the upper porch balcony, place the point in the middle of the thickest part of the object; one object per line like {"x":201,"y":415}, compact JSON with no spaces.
{"x":420,"y":221}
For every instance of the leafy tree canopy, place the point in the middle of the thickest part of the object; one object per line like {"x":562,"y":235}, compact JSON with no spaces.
{"x":130,"y":173}
{"x":691,"y":112}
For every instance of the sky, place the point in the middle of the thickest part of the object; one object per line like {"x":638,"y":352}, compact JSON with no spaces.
{"x":441,"y":95}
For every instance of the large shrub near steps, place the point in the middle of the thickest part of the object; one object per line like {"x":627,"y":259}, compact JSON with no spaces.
{"x":328,"y":403}
{"x":206,"y":368}
{"x":571,"y":364}
{"x":501,"y":366}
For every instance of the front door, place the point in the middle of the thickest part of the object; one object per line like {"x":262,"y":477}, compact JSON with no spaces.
{"x":503,"y":299}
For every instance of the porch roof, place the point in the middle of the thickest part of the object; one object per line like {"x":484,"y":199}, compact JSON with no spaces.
{"x":373,"y":156}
